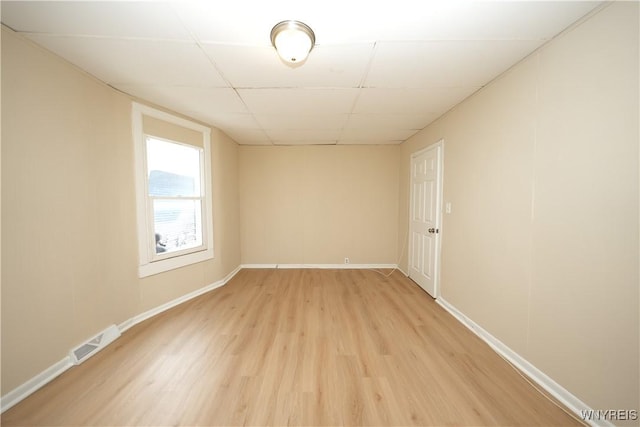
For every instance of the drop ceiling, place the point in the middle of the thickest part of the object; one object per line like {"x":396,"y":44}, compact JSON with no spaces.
{"x":380,"y":71}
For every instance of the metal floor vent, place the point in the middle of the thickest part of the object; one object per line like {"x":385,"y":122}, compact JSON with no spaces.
{"x":94,"y":345}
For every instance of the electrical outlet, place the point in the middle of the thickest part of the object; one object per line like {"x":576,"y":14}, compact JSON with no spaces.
{"x":346,"y":260}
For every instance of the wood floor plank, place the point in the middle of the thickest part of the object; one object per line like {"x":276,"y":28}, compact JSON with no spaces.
{"x":295,"y":347}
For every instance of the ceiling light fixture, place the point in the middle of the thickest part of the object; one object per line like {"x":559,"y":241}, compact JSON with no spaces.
{"x":293,"y":40}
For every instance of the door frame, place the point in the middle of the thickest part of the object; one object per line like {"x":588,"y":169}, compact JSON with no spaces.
{"x":438,"y":145}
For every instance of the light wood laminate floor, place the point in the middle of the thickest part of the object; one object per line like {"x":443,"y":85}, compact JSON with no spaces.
{"x":295,"y":347}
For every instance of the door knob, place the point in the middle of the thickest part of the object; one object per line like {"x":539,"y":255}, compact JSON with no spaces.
{"x":433,"y":230}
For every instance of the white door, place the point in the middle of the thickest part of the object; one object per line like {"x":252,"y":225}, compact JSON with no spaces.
{"x":424,"y":221}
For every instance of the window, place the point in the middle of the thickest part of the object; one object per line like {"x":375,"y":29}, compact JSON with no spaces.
{"x":175,"y":196}
{"x":173,"y":191}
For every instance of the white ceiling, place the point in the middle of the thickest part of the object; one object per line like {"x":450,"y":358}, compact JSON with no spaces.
{"x":380,"y":71}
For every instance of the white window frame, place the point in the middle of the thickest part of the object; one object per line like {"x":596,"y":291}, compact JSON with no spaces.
{"x":151,"y":263}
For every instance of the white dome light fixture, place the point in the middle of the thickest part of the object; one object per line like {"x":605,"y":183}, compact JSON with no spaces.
{"x":293,"y":41}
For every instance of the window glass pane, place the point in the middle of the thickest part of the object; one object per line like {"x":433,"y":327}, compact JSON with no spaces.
{"x":173,"y":169}
{"x":177,"y":224}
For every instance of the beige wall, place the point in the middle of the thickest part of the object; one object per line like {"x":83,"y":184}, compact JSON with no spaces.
{"x":319,"y":204}
{"x":541,"y":169}
{"x":69,"y":250}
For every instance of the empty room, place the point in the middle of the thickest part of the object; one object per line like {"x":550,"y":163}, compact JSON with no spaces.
{"x":224,"y":213}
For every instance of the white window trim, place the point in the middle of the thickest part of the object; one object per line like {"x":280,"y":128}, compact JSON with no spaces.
{"x":148,"y":265}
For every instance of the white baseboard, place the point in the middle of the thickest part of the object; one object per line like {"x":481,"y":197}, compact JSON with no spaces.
{"x":322,"y":266}
{"x":166,"y":306}
{"x":23,"y":391}
{"x":536,"y":375}
{"x":258,"y":266}
{"x":31,"y":386}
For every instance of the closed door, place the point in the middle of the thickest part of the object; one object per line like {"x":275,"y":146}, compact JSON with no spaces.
{"x":424,"y":221}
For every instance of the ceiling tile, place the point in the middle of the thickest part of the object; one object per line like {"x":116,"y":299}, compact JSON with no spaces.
{"x":236,"y":22}
{"x":280,"y":135}
{"x":122,"y":19}
{"x":394,"y":121}
{"x":205,"y":101}
{"x":501,"y":20}
{"x":443,"y":63}
{"x":377,"y":134}
{"x":326,"y":66}
{"x":224,"y":120}
{"x":118,"y":61}
{"x":300,"y":101}
{"x":301,"y":122}
{"x":248,"y":136}
{"x":429,"y":103}
{"x":461,"y":20}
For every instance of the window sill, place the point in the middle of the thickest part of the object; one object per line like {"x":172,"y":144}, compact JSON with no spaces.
{"x":161,"y":266}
